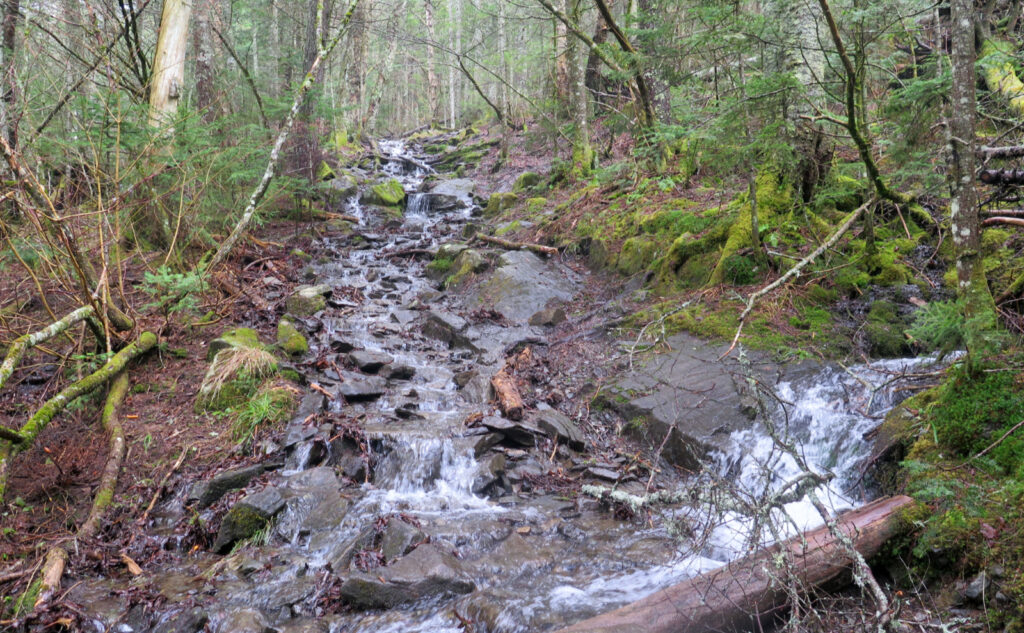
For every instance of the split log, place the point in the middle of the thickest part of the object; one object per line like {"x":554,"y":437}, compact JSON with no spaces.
{"x":1002,"y":176}
{"x":737,"y":596}
{"x":509,"y":400}
{"x":517,"y":246}
{"x":41,"y":418}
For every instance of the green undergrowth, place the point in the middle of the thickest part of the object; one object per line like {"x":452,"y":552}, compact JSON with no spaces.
{"x":967,"y":473}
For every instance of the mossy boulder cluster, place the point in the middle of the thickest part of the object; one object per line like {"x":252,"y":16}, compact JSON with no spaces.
{"x":389,"y":193}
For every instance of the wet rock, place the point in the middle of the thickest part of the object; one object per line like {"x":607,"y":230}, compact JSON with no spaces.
{"x":341,"y":188}
{"x":557,"y":425}
{"x":426,"y":572}
{"x":519,"y":432}
{"x":190,"y":621}
{"x":451,"y":250}
{"x":979,"y":588}
{"x":404,"y":317}
{"x":478,"y":389}
{"x":308,"y":300}
{"x":486,"y":442}
{"x":290,"y":340}
{"x":452,"y":195}
{"x":370,"y":362}
{"x":361,"y":390}
{"x":342,"y":346}
{"x":399,"y":537}
{"x":548,"y":317}
{"x":688,"y":395}
{"x":399,"y":371}
{"x":242,"y":621}
{"x":341,"y":553}
{"x":470,"y":261}
{"x":463,"y":377}
{"x":247,"y":517}
{"x":448,"y":328}
{"x":206,"y":493}
{"x":490,"y":473}
{"x":523,"y":285}
{"x":602,"y":473}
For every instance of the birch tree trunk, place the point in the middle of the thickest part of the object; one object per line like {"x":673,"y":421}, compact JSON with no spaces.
{"x":168,"y":76}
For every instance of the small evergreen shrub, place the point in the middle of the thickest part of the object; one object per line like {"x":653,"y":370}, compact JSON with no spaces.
{"x":740,"y":270}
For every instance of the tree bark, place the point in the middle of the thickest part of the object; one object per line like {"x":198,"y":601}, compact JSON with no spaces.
{"x":433,"y":90}
{"x":8,"y":82}
{"x":509,"y":400}
{"x":973,"y":289}
{"x":168,"y":76}
{"x":203,"y":69}
{"x":743,"y":593}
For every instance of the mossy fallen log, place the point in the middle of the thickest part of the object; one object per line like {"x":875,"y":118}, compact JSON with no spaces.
{"x":41,"y":418}
{"x":1000,"y":76}
{"x":27,"y":341}
{"x":747,"y":593}
{"x":56,"y":559}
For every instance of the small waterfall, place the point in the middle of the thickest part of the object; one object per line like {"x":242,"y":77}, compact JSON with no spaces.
{"x":419,"y":204}
{"x":425,"y":474}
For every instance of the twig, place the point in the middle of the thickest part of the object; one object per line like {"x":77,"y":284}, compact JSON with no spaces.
{"x":163,"y":482}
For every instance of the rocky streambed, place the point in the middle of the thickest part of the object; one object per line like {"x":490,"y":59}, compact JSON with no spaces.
{"x":399,"y":498}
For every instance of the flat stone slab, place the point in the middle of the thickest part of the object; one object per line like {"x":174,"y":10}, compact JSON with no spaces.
{"x":523,"y":284}
{"x":370,"y":362}
{"x":690,"y":395}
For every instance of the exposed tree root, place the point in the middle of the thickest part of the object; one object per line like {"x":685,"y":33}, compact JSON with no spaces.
{"x":795,"y":270}
{"x":57,"y":557}
{"x":41,"y":418}
{"x":517,"y":246}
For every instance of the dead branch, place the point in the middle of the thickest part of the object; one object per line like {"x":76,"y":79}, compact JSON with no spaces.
{"x":795,"y":270}
{"x":517,"y":246}
{"x":509,"y":400}
{"x":1012,"y":151}
{"x":23,"y":343}
{"x":1002,"y":176}
{"x":1002,"y":220}
{"x":163,"y":484}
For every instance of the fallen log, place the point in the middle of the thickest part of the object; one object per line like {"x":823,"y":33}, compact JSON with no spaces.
{"x":509,"y":400}
{"x":1012,"y":151}
{"x":1002,"y":220}
{"x":747,"y":592}
{"x":517,"y":246}
{"x":1002,"y":176}
{"x":110,"y":420}
{"x":26,"y":341}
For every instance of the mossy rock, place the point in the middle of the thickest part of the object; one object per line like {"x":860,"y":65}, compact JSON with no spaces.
{"x":884,"y":330}
{"x":535,"y":205}
{"x":290,"y":340}
{"x":637,"y":254}
{"x":324,"y":172}
{"x":526,"y":180}
{"x":685,"y":247}
{"x":386,"y":194}
{"x":500,"y":202}
{"x":238,"y":337}
{"x":468,"y":263}
{"x":308,"y":300}
{"x":598,"y":254}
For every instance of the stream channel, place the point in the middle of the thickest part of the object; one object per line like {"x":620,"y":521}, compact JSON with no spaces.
{"x":466,"y":541}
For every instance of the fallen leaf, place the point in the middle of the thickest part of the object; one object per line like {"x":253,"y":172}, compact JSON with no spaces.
{"x":523,"y":530}
{"x":133,"y":567}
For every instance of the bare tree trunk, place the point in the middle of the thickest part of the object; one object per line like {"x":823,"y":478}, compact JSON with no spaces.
{"x":384,"y":69}
{"x":168,"y":76}
{"x":592,"y":77}
{"x":582,"y":151}
{"x":202,"y":44}
{"x":966,"y":228}
{"x":8,"y":120}
{"x":562,"y":89}
{"x":432,"y":86}
{"x":357,"y":63}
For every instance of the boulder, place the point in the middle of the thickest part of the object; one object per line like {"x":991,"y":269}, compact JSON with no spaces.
{"x":341,"y":188}
{"x":399,"y":537}
{"x":386,"y":194}
{"x":308,"y":300}
{"x":399,"y":371}
{"x":361,"y":390}
{"x":500,"y":202}
{"x":424,"y":573}
{"x":205,"y":493}
{"x":519,"y":432}
{"x":526,"y":180}
{"x":247,"y":517}
{"x":557,"y":425}
{"x":238,"y":337}
{"x":548,"y":317}
{"x":370,"y":362}
{"x":490,"y":473}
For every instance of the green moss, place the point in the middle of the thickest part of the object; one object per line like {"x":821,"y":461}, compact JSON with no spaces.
{"x":324,"y":172}
{"x":500,"y":202}
{"x":526,"y":180}
{"x":535,"y":205}
{"x":290,"y":340}
{"x":739,"y":270}
{"x":884,"y":329}
{"x":386,"y":194}
{"x":971,"y":413}
{"x":291,"y":375}
{"x":508,"y":228}
{"x":818,"y":295}
{"x":637,"y":254}
{"x":440,"y":265}
{"x":268,"y":407}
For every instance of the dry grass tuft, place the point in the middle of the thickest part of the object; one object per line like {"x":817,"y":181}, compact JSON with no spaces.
{"x":236,"y":362}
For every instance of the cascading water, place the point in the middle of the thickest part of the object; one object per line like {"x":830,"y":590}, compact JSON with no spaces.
{"x":538,"y":562}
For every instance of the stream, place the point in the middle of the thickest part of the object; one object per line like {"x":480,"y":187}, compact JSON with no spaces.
{"x":391,"y":473}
